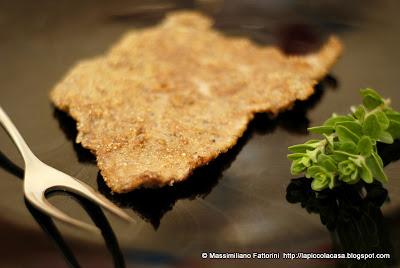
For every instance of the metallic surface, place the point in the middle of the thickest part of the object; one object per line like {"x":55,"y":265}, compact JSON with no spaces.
{"x":40,"y":179}
{"x":242,"y":203}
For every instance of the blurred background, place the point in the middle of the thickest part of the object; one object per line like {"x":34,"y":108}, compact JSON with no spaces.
{"x":245,"y":201}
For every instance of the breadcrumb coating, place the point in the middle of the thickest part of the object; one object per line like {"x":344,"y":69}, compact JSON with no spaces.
{"x":168,"y":99}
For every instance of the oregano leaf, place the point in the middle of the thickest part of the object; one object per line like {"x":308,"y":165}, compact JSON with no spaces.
{"x":346,"y":134}
{"x":360,"y":112}
{"x":348,"y":146}
{"x":371,"y":126}
{"x":383,"y":120}
{"x":369,"y":91}
{"x":385,"y":137}
{"x":366,"y":174}
{"x":374,"y":164}
{"x":394,"y":129}
{"x":393,"y":116}
{"x":353,"y":126}
{"x":295,"y":156}
{"x":371,"y":102}
{"x":365,"y":146}
{"x":300,"y":148}
{"x":327,"y":162}
{"x":331,"y":122}
{"x":321,"y":130}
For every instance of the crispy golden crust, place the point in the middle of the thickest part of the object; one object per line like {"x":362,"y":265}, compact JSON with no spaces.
{"x":166,"y":100}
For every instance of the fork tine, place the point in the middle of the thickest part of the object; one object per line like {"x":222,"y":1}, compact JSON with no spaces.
{"x":85,"y":190}
{"x":40,"y":202}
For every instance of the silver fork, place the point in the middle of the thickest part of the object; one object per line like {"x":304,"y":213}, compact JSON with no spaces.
{"x":40,"y":178}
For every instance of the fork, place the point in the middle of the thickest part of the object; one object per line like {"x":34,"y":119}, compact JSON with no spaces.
{"x":40,"y":179}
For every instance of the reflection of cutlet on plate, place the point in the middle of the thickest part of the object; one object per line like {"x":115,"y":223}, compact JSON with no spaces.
{"x":171,"y":98}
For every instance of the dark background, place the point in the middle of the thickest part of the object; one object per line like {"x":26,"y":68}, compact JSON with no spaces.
{"x":244,"y":201}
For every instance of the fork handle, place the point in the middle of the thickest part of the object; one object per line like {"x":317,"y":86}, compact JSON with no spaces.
{"x":16,"y":137}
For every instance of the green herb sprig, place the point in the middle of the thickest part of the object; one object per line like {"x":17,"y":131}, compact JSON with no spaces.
{"x":348,"y":151}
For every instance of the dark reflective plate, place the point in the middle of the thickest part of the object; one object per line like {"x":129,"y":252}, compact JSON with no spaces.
{"x":245,"y":201}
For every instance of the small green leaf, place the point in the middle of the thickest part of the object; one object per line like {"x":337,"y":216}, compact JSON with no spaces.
{"x":345,"y":154}
{"x":295,"y":156}
{"x":339,"y":156}
{"x":319,"y":185}
{"x":379,"y":159}
{"x":345,"y":134}
{"x":371,"y":126}
{"x":372,"y":102}
{"x":393,"y":115}
{"x":353,"y":126}
{"x":394,"y":129}
{"x":327,"y":162}
{"x":348,"y":146}
{"x":312,"y":142}
{"x":297,"y":167}
{"x":360,"y":112}
{"x":385,"y":137}
{"x":321,"y":177}
{"x":300,"y":148}
{"x":382,"y":119}
{"x":313,"y":170}
{"x":374,"y":164}
{"x":331,"y":122}
{"x":366,"y":174}
{"x":369,"y":91}
{"x":321,"y":130}
{"x":364,"y":146}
